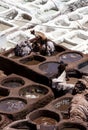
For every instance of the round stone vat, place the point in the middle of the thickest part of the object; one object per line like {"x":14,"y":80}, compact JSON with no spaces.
{"x":83,"y":67}
{"x":13,"y":106}
{"x":32,"y":60}
{"x":4,"y":92}
{"x":44,"y":117}
{"x":37,"y":95}
{"x":12,"y":82}
{"x":20,"y":125}
{"x":33,"y":91}
{"x":61,"y":104}
{"x":50,"y":69}
{"x":70,"y":57}
{"x":69,"y":125}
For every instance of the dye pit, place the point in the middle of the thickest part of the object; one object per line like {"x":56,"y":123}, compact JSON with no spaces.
{"x":45,"y":121}
{"x":12,"y":82}
{"x":65,"y":25}
{"x":34,"y":60}
{"x":11,"y":105}
{"x":70,"y":57}
{"x":33,"y":91}
{"x":49,"y":68}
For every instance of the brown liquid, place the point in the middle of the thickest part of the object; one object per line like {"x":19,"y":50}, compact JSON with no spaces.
{"x":32,"y":62}
{"x":70,"y":57}
{"x":1,"y":96}
{"x":70,"y":129}
{"x":11,"y":55}
{"x":72,"y":80}
{"x":45,"y":121}
{"x":63,"y":105}
{"x":11,"y":105}
{"x":15,"y":57}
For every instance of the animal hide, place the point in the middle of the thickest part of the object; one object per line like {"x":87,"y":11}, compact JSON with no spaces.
{"x":79,"y":108}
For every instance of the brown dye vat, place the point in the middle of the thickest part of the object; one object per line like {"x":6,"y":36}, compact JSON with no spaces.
{"x":70,"y":129}
{"x":32,"y":60}
{"x":63,"y":105}
{"x":45,"y":121}
{"x":20,"y":125}
{"x":12,"y":82}
{"x":50,"y":69}
{"x":44,"y":117}
{"x":3,"y":92}
{"x":83,"y":67}
{"x":68,"y":125}
{"x":11,"y":105}
{"x":33,"y":91}
{"x":70,"y":57}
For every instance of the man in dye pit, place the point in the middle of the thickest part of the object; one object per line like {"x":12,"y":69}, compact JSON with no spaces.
{"x":59,"y":82}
